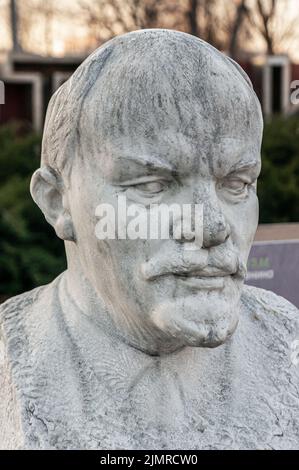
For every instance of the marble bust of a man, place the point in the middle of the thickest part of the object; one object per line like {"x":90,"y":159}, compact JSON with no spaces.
{"x":150,"y":343}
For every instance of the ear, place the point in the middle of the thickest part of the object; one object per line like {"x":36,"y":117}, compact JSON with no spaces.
{"x":49,"y":193}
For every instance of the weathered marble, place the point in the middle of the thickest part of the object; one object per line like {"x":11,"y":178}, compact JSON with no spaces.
{"x":142,"y":343}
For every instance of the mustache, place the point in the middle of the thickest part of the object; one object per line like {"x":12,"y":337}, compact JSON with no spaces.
{"x":215,"y":261}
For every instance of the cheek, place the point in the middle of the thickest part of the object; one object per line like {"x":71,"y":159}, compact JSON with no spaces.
{"x":86,"y":195}
{"x":84,"y":219}
{"x":243,"y":220}
{"x":251,"y":215}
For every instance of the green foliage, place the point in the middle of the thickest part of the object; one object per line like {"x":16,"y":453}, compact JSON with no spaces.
{"x":278,"y":186}
{"x":30,"y":252}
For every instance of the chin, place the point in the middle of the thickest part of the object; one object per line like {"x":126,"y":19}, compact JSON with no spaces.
{"x":190,"y":323}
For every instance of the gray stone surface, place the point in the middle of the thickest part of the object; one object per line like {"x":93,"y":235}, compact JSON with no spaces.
{"x":143,"y":343}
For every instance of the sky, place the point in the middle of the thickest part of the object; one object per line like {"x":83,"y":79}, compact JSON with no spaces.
{"x":69,"y":36}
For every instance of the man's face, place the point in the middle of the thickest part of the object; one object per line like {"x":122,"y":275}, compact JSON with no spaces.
{"x":158,"y":287}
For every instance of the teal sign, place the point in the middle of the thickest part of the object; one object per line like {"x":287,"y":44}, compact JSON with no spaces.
{"x":275,"y":266}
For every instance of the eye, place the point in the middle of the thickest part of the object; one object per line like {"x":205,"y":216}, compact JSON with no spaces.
{"x":147,"y":189}
{"x":151,"y":187}
{"x":234,"y":186}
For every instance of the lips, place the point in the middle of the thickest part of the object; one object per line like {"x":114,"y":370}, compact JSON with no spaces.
{"x":203,"y":273}
{"x":202,"y":280}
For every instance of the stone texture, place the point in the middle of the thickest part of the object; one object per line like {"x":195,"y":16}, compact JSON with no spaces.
{"x":74,"y":393}
{"x":145,"y":343}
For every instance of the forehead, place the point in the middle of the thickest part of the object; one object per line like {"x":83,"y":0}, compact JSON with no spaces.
{"x":209,"y":148}
{"x":191,"y":113}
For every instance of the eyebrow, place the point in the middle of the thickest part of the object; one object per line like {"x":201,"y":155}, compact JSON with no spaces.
{"x":155,"y":163}
{"x":150,"y":161}
{"x":245,"y":165}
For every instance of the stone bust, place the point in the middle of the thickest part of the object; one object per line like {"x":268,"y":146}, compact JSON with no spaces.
{"x":142,"y":344}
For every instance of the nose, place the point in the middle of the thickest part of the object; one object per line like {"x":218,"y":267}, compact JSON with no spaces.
{"x":215,"y":228}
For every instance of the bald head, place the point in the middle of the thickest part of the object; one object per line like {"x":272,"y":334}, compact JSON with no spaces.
{"x":141,"y":82}
{"x":159,"y":117}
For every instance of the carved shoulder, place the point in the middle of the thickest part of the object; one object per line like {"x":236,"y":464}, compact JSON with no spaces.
{"x":10,"y":418}
{"x":12,"y":314}
{"x":273,"y":311}
{"x":275,"y":325}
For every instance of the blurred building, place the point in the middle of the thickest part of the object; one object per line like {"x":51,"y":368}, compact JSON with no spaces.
{"x":30,"y":80}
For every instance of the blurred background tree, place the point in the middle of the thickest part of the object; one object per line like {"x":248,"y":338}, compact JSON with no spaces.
{"x":278,"y":186}
{"x":78,"y":26}
{"x":30,"y":252}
